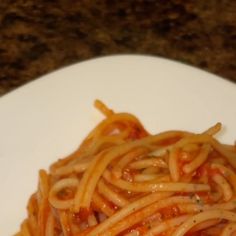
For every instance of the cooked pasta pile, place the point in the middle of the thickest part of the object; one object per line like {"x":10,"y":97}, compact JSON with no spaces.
{"x":124,"y":181}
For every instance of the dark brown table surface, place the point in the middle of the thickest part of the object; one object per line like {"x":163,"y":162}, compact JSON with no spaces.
{"x":39,"y":36}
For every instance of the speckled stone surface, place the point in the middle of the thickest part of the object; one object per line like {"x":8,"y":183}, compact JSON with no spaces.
{"x":39,"y":36}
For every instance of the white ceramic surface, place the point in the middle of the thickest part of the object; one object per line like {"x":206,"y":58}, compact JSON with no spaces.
{"x":48,"y":118}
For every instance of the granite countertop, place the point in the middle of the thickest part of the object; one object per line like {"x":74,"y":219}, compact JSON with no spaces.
{"x":37,"y":37}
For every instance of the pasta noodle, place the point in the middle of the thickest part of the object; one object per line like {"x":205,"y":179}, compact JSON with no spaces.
{"x":124,"y":181}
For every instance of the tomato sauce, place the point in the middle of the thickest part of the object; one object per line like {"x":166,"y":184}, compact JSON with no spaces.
{"x":169,"y":212}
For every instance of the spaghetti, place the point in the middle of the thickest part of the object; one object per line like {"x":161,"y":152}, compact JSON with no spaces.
{"x":124,"y":181}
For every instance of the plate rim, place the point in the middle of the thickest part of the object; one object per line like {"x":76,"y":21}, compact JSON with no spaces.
{"x":113,"y":56}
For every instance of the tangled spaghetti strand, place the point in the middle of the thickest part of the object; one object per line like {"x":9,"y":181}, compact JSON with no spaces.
{"x":124,"y":181}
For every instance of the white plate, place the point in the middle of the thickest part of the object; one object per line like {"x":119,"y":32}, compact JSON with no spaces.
{"x":48,"y":118}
